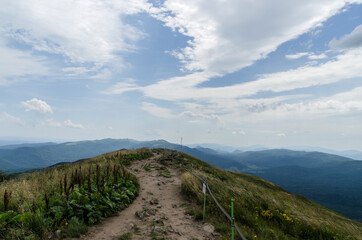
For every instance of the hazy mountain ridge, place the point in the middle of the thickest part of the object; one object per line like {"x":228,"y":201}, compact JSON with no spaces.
{"x":40,"y":156}
{"x":354,"y":154}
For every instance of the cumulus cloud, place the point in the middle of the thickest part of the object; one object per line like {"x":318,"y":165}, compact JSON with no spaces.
{"x":68,"y":123}
{"x":352,"y":40}
{"x":281,"y":135}
{"x":37,"y":105}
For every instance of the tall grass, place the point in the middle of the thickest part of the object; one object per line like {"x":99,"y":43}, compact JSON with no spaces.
{"x":29,"y":188}
{"x":88,"y":190}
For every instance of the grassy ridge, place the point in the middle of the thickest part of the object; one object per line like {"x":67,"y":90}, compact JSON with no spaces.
{"x":262,"y":209}
{"x":67,"y":197}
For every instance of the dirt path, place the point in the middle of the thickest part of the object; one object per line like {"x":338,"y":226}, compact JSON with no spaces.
{"x":159,"y":210}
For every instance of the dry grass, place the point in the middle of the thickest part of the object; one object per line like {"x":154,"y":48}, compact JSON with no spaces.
{"x":31,"y":187}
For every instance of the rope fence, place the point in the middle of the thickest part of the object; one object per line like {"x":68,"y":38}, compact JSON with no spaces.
{"x":231,"y":218}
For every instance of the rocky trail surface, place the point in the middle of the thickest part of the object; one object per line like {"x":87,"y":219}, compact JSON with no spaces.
{"x":159,"y":212}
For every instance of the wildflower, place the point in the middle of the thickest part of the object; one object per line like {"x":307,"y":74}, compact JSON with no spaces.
{"x":267,"y":214}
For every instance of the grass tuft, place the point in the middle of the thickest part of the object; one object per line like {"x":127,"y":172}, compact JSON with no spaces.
{"x":75,"y":228}
{"x":126,"y":236}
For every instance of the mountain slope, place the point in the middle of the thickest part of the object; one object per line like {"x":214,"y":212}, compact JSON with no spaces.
{"x":336,"y":186}
{"x":284,"y":157}
{"x":264,"y":210}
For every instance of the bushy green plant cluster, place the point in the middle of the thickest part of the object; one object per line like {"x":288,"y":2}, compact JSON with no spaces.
{"x":83,"y":196}
{"x":98,"y":196}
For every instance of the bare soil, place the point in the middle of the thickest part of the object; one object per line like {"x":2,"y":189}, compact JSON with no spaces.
{"x":159,"y":212}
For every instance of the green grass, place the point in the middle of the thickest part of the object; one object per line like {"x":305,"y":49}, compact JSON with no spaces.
{"x":34,"y":205}
{"x":147,"y":167}
{"x":164,"y":173}
{"x":75,"y":228}
{"x":126,"y":236}
{"x":190,"y":211}
{"x":136,"y":229}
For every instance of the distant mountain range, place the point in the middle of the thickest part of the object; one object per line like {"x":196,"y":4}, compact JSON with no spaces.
{"x":354,"y":154}
{"x":331,"y":180}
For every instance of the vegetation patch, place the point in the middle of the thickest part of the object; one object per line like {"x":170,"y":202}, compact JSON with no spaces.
{"x":68,"y":197}
{"x":164,"y":172}
{"x":126,"y":236}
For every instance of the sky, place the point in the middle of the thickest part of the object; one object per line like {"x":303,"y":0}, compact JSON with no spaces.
{"x":233,"y":72}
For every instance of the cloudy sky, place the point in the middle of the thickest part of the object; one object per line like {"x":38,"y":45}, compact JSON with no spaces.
{"x":235,"y":72}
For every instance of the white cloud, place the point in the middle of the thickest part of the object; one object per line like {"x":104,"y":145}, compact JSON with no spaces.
{"x":15,"y":64}
{"x":37,"y":105}
{"x":317,"y":57}
{"x":52,"y":123}
{"x":302,"y":54}
{"x":217,"y":49}
{"x":88,"y":33}
{"x":352,"y":40}
{"x":121,"y":87}
{"x":226,"y":37}
{"x":281,"y":135}
{"x":8,"y":117}
{"x":157,"y":111}
{"x":346,"y":102}
{"x":297,"y":55}
{"x":68,"y":123}
{"x":342,"y":67}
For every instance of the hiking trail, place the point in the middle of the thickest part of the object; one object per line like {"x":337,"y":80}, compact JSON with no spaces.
{"x":159,"y":212}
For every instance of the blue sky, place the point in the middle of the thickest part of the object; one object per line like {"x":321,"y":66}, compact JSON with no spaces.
{"x":234,"y":72}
